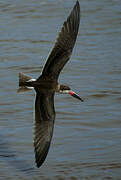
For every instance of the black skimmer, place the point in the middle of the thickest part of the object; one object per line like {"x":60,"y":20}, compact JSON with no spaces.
{"x":47,"y":84}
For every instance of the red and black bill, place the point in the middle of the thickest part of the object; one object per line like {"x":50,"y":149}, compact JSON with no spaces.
{"x":72,"y":93}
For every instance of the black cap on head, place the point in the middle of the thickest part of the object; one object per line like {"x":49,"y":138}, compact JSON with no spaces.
{"x":64,"y":88}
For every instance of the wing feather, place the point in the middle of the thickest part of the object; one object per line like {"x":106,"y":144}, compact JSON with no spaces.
{"x":44,"y":123}
{"x":64,"y":44}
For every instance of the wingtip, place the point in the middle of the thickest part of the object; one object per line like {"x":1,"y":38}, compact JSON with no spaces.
{"x":77,"y":3}
{"x":38,"y":165}
{"x":40,"y":159}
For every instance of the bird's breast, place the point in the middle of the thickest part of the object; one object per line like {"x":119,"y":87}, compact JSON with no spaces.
{"x":46,"y":85}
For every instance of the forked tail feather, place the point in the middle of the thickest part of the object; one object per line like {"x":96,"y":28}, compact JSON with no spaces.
{"x":24,"y":80}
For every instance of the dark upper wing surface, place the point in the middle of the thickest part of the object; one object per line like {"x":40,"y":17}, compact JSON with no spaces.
{"x":44,"y":123}
{"x":65,"y":41}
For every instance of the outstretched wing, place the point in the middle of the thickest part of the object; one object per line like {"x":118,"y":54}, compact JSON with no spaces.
{"x":62,"y":50}
{"x":44,"y":123}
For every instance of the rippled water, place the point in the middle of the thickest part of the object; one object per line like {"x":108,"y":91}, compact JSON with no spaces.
{"x":87,"y":136}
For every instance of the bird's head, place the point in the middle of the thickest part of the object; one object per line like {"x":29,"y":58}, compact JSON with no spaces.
{"x":67,"y":90}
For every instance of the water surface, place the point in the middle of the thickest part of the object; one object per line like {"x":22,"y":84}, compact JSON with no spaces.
{"x":87,"y":137}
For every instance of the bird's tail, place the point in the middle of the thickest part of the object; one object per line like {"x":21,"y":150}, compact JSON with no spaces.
{"x":24,"y":83}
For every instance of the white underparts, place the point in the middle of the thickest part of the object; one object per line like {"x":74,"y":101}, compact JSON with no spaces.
{"x":29,"y":87}
{"x":31,"y":80}
{"x":64,"y":91}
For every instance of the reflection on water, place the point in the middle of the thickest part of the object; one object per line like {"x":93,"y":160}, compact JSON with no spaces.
{"x":87,"y":136}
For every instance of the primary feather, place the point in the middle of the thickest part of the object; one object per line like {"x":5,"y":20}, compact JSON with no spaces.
{"x":44,"y":104}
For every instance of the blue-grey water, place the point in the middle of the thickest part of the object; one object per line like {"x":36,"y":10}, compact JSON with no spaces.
{"x":87,"y":137}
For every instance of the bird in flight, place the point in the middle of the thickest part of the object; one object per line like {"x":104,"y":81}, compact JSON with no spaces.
{"x":47,"y":84}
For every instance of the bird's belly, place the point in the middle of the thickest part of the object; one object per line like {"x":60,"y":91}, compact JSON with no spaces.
{"x":46,"y":86}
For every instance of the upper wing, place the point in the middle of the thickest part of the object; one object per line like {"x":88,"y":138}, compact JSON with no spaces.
{"x":44,"y":123}
{"x":62,"y":50}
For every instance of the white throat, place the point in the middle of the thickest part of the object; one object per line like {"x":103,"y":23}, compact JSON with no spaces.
{"x":64,"y":91}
